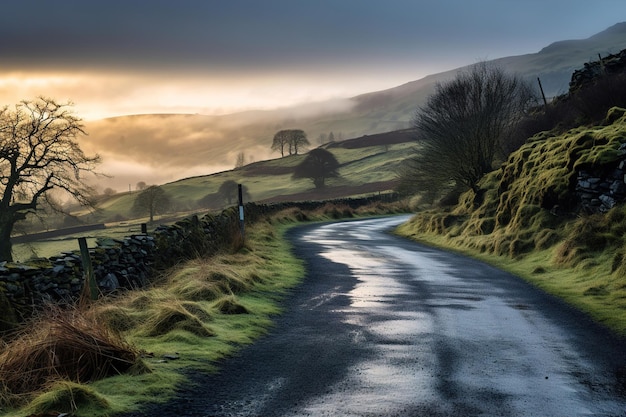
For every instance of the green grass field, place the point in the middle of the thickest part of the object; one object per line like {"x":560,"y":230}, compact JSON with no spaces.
{"x":366,"y":162}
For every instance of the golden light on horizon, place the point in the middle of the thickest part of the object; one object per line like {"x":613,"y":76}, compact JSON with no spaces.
{"x":98,"y":95}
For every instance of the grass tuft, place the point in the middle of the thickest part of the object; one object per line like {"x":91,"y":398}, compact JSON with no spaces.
{"x":62,"y":344}
{"x":230,"y":305}
{"x":173,"y":316}
{"x":67,"y":397}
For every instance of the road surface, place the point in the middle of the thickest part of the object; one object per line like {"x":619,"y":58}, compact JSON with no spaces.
{"x":382,"y":326}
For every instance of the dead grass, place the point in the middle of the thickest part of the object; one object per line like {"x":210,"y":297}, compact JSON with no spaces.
{"x":61,"y":345}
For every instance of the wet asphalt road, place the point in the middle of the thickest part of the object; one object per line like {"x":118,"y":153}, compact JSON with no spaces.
{"x":386,"y":327}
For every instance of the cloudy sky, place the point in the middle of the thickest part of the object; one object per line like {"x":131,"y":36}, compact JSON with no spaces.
{"x":120,"y":57}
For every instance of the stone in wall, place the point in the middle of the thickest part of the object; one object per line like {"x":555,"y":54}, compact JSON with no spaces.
{"x":599,"y":192}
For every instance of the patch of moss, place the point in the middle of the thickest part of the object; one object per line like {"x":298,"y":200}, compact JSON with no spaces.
{"x":68,"y":397}
{"x":524,"y":215}
{"x":532,"y":191}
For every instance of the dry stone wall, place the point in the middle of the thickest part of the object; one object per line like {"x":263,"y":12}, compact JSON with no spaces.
{"x":591,"y":71}
{"x":130,"y":263}
{"x":601,"y":189}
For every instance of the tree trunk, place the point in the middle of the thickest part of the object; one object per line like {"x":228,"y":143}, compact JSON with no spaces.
{"x":6,"y":227}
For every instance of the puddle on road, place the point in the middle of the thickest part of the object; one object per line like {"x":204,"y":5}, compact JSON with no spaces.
{"x":400,"y":339}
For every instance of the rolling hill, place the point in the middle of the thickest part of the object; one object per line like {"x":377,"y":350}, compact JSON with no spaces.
{"x":367,"y":166}
{"x":161,"y":148}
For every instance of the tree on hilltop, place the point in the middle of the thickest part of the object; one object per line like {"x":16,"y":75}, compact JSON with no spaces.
{"x":318,"y":165}
{"x":292,"y":140}
{"x":241,"y":160}
{"x":39,"y":153}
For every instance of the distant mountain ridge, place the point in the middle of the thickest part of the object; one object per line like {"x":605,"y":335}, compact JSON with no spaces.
{"x":175,"y":146}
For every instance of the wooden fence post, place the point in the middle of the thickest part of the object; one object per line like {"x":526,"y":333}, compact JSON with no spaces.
{"x":241,"y":218}
{"x":545,"y":102}
{"x":88,"y":274}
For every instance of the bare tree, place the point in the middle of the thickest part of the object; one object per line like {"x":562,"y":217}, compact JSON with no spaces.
{"x":241,"y":160}
{"x":39,"y":153}
{"x":298,"y":141}
{"x":318,"y":165}
{"x":152,"y":201}
{"x":464,"y":124}
{"x":281,"y":140}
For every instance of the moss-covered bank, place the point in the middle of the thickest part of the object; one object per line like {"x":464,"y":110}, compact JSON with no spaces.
{"x":527,"y":218}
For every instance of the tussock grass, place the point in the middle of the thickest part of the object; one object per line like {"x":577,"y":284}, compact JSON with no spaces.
{"x":61,"y":345}
{"x":68,"y":397}
{"x":230,"y":305}
{"x":166,"y":317}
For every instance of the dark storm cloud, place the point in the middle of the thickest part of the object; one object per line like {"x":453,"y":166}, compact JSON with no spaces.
{"x":121,"y":57}
{"x":250,"y":35}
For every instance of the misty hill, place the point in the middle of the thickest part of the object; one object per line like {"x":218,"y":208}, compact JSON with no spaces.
{"x":368,"y":166}
{"x":161,"y":148}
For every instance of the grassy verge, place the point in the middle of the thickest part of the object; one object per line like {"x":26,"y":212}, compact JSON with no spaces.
{"x":195,"y":314}
{"x":590,"y":285}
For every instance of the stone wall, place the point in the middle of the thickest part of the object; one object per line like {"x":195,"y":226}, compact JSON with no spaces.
{"x":600,"y":190}
{"x":591,"y":71}
{"x":129,"y":263}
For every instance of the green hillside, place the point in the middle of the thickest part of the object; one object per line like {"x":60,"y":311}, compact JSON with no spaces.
{"x":367,"y":166}
{"x":211,"y":143}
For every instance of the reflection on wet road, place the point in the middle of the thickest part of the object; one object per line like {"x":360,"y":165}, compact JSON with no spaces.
{"x":451,"y":336}
{"x":381,"y":326}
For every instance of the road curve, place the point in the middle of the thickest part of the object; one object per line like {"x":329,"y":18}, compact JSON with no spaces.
{"x":382,"y":326}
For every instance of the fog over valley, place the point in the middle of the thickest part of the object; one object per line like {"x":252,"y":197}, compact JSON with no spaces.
{"x":168,"y":91}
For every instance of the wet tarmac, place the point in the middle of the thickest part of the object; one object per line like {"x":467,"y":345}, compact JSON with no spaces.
{"x":386,"y":327}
